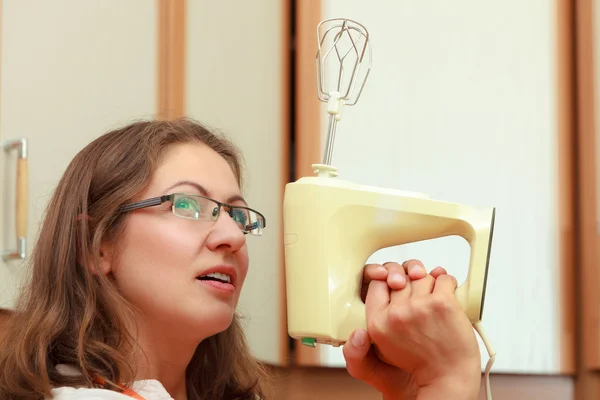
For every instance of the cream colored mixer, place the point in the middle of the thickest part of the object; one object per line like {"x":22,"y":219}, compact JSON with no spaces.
{"x":332,"y":226}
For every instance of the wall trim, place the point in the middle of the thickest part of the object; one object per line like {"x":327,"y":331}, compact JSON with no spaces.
{"x":566,"y":180}
{"x":171,"y":58}
{"x":586,"y":149}
{"x":586,"y":271}
{"x":286,"y":118}
{"x":308,"y":119}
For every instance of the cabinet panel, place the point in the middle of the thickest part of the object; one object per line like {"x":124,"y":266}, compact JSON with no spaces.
{"x":461,"y":104}
{"x":235,"y":83}
{"x":337,"y":384}
{"x":69,"y":72}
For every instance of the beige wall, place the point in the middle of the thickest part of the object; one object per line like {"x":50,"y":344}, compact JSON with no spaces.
{"x":463,"y":107}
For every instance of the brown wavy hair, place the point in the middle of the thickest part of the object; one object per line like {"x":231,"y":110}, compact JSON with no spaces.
{"x":69,"y":315}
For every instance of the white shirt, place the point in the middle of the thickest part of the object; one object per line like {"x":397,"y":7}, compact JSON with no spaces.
{"x":149,"y":389}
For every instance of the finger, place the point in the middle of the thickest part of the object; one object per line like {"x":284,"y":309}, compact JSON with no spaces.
{"x":371,"y":272}
{"x":437,"y":272}
{"x":374,"y":272}
{"x":378,"y":297}
{"x":415,"y":269}
{"x":446,"y":284}
{"x":396,"y":275}
{"x":423,"y":287}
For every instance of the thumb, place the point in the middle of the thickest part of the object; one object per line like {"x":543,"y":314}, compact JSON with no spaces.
{"x":363,"y":364}
{"x":360,"y":362}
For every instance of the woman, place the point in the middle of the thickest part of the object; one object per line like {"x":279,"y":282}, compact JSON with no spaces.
{"x":138,"y":270}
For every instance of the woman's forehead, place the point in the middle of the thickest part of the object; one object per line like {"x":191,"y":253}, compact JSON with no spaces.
{"x":195,"y":166}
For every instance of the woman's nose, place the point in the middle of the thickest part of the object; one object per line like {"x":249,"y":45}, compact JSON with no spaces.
{"x":226,"y":233}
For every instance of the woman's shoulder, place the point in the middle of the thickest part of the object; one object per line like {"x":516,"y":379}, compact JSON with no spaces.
{"x":69,"y":393}
{"x":147,"y":389}
{"x":72,"y":393}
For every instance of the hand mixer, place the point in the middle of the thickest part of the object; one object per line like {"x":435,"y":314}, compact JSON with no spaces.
{"x":332,"y":226}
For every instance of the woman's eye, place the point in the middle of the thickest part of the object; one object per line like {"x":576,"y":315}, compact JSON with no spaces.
{"x":184,"y":204}
{"x":239,"y":216}
{"x":187,"y":207}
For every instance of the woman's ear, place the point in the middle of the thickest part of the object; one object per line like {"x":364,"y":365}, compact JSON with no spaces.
{"x":104,"y":261}
{"x":105,"y":258}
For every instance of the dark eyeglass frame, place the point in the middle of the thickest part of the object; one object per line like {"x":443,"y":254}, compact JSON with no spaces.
{"x":156,"y":201}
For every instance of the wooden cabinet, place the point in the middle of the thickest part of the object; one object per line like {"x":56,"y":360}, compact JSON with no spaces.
{"x":458,"y":105}
{"x":469,"y":109}
{"x":69,"y":72}
{"x":236,"y":82}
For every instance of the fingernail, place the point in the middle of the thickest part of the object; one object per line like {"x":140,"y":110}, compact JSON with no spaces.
{"x":399,"y":278}
{"x":415,"y":268}
{"x":381,"y":269}
{"x":360,"y":338}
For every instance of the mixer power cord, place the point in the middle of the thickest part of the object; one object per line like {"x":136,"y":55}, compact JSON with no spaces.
{"x":491,"y":353}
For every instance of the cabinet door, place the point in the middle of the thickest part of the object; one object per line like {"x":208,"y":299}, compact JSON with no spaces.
{"x":70,"y":70}
{"x":235,"y":83}
{"x":464,"y":109}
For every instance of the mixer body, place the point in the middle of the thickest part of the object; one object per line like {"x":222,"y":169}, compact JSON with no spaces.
{"x":333,"y":226}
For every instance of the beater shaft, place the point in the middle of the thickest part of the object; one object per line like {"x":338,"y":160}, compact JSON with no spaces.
{"x":330,"y":140}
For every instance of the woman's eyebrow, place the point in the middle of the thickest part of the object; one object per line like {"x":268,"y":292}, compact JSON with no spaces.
{"x":195,"y":185}
{"x":203,"y":191}
{"x":237,"y":197}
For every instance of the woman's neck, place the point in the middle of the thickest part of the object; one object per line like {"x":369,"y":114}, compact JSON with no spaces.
{"x":164,"y":357}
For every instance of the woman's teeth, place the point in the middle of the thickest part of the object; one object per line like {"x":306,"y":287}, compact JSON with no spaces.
{"x":218,"y":276}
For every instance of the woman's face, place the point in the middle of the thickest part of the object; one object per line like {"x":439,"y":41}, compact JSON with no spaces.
{"x":162,"y":256}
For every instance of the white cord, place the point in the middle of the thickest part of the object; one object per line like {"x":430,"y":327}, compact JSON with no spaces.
{"x":492,"y":354}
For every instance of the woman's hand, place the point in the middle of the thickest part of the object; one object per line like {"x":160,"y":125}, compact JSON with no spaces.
{"x":361,"y":360}
{"x":421,"y":329}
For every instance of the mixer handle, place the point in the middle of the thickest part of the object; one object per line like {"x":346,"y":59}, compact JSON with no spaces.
{"x":471,"y":293}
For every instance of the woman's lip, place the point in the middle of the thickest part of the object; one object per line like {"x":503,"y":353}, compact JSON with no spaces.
{"x":223,"y":269}
{"x":221,"y":286}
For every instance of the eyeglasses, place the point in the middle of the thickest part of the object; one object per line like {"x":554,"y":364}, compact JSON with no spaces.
{"x":202,"y":208}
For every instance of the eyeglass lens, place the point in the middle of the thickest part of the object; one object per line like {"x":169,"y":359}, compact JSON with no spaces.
{"x":201,"y":208}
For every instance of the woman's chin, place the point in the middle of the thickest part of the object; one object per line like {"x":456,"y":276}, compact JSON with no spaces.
{"x":194,"y":320}
{"x":217,"y":320}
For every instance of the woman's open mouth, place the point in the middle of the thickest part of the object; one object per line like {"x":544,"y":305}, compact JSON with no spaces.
{"x":218,"y":281}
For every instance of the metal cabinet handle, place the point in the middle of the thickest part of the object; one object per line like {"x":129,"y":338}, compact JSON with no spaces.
{"x":21,"y":203}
